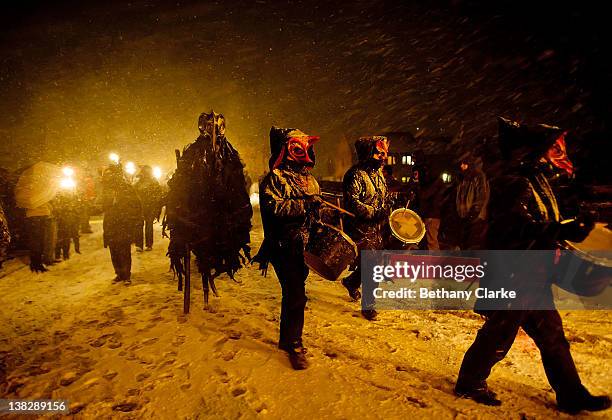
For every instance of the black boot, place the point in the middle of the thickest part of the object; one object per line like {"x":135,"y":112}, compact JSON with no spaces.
{"x":297,"y":358}
{"x":354,"y":294}
{"x":482,"y":395}
{"x":369,"y":314}
{"x":585,"y":402}
{"x":38,"y":268}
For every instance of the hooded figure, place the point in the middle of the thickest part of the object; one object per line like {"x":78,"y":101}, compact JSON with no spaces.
{"x":471,"y":200}
{"x":122,"y":213}
{"x":524,"y":215}
{"x":150,"y":193}
{"x":365,"y":195}
{"x":208,"y":207}
{"x":67,"y":209}
{"x":289,"y":204}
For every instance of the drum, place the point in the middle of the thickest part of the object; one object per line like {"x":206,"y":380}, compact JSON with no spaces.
{"x":585,"y":268}
{"x":407,"y":226}
{"x":329,"y":251}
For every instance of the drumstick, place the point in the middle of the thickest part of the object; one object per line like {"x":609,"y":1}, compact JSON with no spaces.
{"x":340,"y":209}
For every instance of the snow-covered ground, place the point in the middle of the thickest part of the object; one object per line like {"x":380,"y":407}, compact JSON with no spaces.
{"x":128,"y":351}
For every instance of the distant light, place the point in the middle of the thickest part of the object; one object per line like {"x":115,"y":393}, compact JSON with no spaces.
{"x":130,"y":168}
{"x":68,"y":171}
{"x":114,"y":157}
{"x":446,"y":178}
{"x":417,"y":128}
{"x":68,"y":183}
{"x":157,"y":172}
{"x":254,"y":197}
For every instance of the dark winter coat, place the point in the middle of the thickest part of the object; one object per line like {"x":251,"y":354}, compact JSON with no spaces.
{"x":285,"y":197}
{"x":473,"y":193}
{"x":524,"y":215}
{"x":67,"y":212}
{"x":150,"y":194}
{"x":122,"y":208}
{"x":365,"y":195}
{"x":289,"y":201}
{"x":523,"y":209}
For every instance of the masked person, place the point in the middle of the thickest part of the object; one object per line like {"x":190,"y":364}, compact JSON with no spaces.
{"x":524,"y":215}
{"x":150,"y":194}
{"x":365,"y":195}
{"x":208,"y":207}
{"x":289,"y":203}
{"x":122,"y":214}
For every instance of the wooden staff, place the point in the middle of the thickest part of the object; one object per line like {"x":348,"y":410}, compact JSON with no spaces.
{"x":341,"y":223}
{"x":187,"y":292}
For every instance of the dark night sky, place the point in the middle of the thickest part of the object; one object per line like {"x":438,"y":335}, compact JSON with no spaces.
{"x":79,"y":79}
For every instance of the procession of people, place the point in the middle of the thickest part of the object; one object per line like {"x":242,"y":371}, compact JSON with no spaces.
{"x":208,"y":213}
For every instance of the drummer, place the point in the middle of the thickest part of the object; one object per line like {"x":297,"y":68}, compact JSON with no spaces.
{"x":365,"y":195}
{"x":289,"y":203}
{"x":524,"y":215}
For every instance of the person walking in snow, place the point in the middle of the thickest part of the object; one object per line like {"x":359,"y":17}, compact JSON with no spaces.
{"x":289,"y":204}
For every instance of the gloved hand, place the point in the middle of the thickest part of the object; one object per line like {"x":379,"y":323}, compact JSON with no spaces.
{"x":381,"y":213}
{"x":312,"y":204}
{"x":578,"y":229}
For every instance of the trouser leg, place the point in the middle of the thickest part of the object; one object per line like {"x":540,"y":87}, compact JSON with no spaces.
{"x":77,"y":244}
{"x":66,"y":248}
{"x":50,"y":240}
{"x":36,"y":239}
{"x":58,"y":250}
{"x":62,"y":248}
{"x":126,"y":260}
{"x":115,"y":259}
{"x":139,"y":237}
{"x":474,"y":234}
{"x":546,"y":330}
{"x":149,"y":232}
{"x":121,"y":256}
{"x":353,"y":280}
{"x":371,"y":241}
{"x":491,"y":345}
{"x":432,"y":227}
{"x":291,"y":273}
{"x":84,"y":218}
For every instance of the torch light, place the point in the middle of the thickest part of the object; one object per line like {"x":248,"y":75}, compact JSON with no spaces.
{"x":68,"y":184}
{"x":446,"y":177}
{"x":68,"y":171}
{"x":114,"y":157}
{"x":157,"y":172}
{"x":130,"y":168}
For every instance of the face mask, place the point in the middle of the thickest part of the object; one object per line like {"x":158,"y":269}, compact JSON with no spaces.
{"x":298,"y":149}
{"x":381,"y":150}
{"x":557,"y":156}
{"x":212,"y":122}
